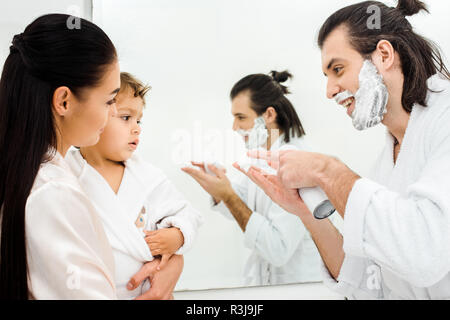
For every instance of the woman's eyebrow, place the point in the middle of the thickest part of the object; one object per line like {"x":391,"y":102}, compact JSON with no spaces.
{"x":115,"y":91}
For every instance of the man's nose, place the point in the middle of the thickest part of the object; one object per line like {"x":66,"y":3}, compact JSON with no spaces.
{"x":332,"y":89}
{"x":235,"y":126}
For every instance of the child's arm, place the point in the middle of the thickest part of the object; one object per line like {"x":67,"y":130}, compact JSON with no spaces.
{"x":164,"y":242}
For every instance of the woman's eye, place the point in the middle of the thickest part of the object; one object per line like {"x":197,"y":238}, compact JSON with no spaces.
{"x":111,"y":102}
{"x":139,"y":122}
{"x":126,"y":118}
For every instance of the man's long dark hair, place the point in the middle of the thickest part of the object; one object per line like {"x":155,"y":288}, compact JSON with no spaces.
{"x":420,"y":58}
{"x":47,"y":55}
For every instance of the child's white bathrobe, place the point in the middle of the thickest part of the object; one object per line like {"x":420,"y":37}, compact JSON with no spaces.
{"x":397,"y":225}
{"x":282,"y":248}
{"x":68,"y":253}
{"x":146,"y":200}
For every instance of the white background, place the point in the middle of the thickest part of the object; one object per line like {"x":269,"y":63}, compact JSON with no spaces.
{"x":191,"y":53}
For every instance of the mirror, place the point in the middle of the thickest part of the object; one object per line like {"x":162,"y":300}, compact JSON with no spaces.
{"x":192,"y":53}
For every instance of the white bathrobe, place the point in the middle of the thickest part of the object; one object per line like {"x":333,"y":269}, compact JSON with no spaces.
{"x":69,"y":256}
{"x":397,"y":225}
{"x":282,"y":248}
{"x":146,"y":199}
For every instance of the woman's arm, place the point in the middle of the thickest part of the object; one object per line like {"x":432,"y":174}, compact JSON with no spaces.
{"x":69,"y":256}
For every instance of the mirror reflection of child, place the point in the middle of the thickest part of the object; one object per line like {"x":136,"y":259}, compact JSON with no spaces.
{"x":143,"y":213}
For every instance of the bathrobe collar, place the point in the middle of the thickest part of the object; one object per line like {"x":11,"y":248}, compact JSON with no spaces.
{"x":124,"y":235}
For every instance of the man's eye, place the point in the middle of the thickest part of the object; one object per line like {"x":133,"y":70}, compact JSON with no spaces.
{"x":241,"y":118}
{"x":337,"y":69}
{"x":126,"y":118}
{"x":139,"y":122}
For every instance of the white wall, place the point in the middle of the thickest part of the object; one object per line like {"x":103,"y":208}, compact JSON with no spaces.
{"x":16,"y":15}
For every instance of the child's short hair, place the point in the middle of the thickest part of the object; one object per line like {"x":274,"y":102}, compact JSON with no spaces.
{"x":128,"y":81}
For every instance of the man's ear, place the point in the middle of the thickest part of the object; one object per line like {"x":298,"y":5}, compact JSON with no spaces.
{"x":270,"y":116}
{"x":61,"y":100}
{"x":384,"y":55}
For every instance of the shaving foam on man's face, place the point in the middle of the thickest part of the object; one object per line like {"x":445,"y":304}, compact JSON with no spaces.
{"x":257,"y":136}
{"x":370,"y":99}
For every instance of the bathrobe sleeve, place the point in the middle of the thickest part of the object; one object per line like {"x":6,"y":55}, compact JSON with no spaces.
{"x":406,"y":234}
{"x":66,"y":246}
{"x":359,"y":278}
{"x":177,"y":212}
{"x":276,"y":235}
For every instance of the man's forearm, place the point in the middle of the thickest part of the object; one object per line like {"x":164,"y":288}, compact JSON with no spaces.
{"x":328,"y":241}
{"x":337,"y":181}
{"x":238,"y":209}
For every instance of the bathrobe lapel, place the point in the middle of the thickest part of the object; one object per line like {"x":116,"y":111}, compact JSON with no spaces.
{"x":118,"y":221}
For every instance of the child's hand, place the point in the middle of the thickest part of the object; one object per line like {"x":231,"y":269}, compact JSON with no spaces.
{"x":164,"y":242}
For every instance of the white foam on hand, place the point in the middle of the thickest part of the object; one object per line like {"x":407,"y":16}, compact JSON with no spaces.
{"x":246,"y":162}
{"x":189,"y":165}
{"x":215,"y":164}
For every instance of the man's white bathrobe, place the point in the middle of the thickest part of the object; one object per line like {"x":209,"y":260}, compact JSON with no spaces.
{"x":397,"y":225}
{"x":68,"y":253}
{"x":146,"y":199}
{"x":282,"y":248}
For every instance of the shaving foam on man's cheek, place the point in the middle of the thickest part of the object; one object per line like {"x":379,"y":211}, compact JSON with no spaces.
{"x":370,"y":99}
{"x":342,"y":96}
{"x":257,"y":136}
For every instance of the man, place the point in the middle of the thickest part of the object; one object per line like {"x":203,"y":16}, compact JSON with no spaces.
{"x":282,"y":250}
{"x":395,"y":241}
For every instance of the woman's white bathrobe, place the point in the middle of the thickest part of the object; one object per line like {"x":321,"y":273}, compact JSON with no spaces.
{"x":144,"y":193}
{"x":282,"y":248}
{"x":68,"y":253}
{"x":397,"y":225}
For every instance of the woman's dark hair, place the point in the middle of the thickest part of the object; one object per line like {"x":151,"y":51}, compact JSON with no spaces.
{"x":267,"y":91}
{"x":47,"y":55}
{"x":420,"y":58}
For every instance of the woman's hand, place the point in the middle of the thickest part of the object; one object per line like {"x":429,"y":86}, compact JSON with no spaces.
{"x":164,"y":242}
{"x":219,"y":187}
{"x":162,"y":282}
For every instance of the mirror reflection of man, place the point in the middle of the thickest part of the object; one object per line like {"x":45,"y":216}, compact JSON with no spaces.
{"x":282,"y":250}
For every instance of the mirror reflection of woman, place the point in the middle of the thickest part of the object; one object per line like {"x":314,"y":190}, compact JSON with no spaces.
{"x":282,"y":250}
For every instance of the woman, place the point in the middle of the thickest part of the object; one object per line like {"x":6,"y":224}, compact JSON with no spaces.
{"x":282,"y":248}
{"x":57,"y":90}
{"x":395,"y":242}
